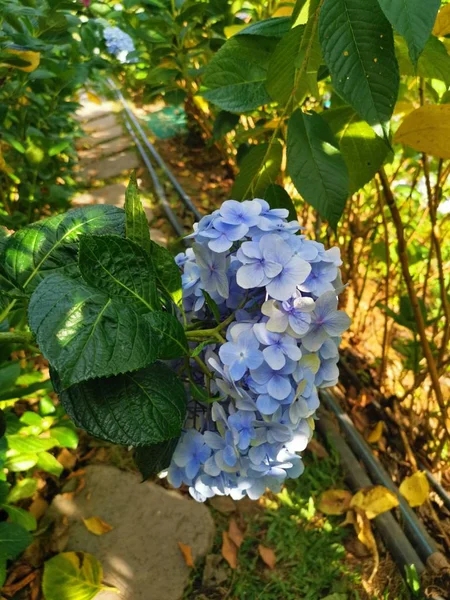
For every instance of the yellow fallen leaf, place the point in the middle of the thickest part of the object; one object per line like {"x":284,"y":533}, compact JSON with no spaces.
{"x":33,"y":58}
{"x":268,"y":556}
{"x":335,"y":502}
{"x":376,"y":433}
{"x":415,"y":489}
{"x":442,"y":24}
{"x":229,"y":550}
{"x":374,"y":501}
{"x":427,"y":129}
{"x":93,"y":98}
{"x":365,"y":536}
{"x":186,"y":551}
{"x":97,"y":526}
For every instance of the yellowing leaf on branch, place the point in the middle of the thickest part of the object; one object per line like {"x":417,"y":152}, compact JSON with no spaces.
{"x":415,"y":489}
{"x":427,"y":129}
{"x":32,"y":58}
{"x":442,"y":24}
{"x":335,"y":502}
{"x":268,"y":556}
{"x":186,"y":551}
{"x":97,"y":526}
{"x":374,"y":501}
{"x":376,"y":433}
{"x":74,"y":575}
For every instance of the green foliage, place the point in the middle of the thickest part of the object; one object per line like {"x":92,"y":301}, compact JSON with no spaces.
{"x":151,"y":460}
{"x":259,"y":168}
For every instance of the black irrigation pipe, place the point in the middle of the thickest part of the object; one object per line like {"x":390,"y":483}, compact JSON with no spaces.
{"x":436,"y":485}
{"x":393,"y":536}
{"x":414,"y":529}
{"x":173,"y":180}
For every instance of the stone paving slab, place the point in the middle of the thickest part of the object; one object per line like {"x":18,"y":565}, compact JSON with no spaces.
{"x":100,"y":136}
{"x":111,"y":166}
{"x":113,"y":194}
{"x":105,"y":122}
{"x":140,"y":556}
{"x":104,"y":149}
{"x":91,"y":110}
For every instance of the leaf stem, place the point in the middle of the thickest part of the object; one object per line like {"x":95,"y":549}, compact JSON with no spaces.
{"x":21,"y":337}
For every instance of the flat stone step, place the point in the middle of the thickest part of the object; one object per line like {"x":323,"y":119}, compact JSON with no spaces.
{"x":98,"y":137}
{"x":113,"y":194}
{"x":111,"y":166}
{"x":140,"y":556}
{"x":105,"y":122}
{"x":104,"y":149}
{"x":91,"y":110}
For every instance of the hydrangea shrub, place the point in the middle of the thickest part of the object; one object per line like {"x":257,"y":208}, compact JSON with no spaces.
{"x":208,"y":364}
{"x":275,"y":293}
{"x":118,"y":43}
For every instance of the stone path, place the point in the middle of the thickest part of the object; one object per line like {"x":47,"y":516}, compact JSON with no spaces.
{"x":106,"y":153}
{"x":140,"y":555}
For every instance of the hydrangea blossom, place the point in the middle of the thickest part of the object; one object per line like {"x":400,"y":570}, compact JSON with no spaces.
{"x":277,"y":297}
{"x":118,"y":43}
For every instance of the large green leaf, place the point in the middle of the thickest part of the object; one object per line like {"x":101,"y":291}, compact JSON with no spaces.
{"x":363,"y":151}
{"x":151,"y":460}
{"x":50,"y":245}
{"x":30,"y":444}
{"x":136,"y":223}
{"x":293,"y":67}
{"x":85,"y":333}
{"x":277,"y":197}
{"x":168,"y":273}
{"x":259,"y":168}
{"x":14,"y":539}
{"x":236,"y":76}
{"x":72,"y":576}
{"x":168,"y":335}
{"x":414,"y":20}
{"x":273,"y":27}
{"x":136,"y":409}
{"x":20,"y":516}
{"x":119,"y":267}
{"x":316,"y":166}
{"x":358,"y":48}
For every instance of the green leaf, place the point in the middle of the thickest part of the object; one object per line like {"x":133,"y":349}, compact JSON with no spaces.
{"x":151,"y":460}
{"x":273,"y":27}
{"x":259,"y":168}
{"x":293,"y":67}
{"x":167,"y":272}
{"x":236,"y":75}
{"x":316,"y":166}
{"x":8,"y":375}
{"x":196,"y":351}
{"x":167,"y":335}
{"x":224,"y":122}
{"x":434,"y":62}
{"x":118,"y":267}
{"x":277,"y":197}
{"x":85,"y":334}
{"x":59,"y":147}
{"x":22,"y":392}
{"x":66,"y":437}
{"x":363,"y":151}
{"x":358,"y":48}
{"x":14,"y":539}
{"x":21,"y":517}
{"x":24,"y":488}
{"x":47,"y":462}
{"x":72,"y":576}
{"x":212,"y":305}
{"x":414,"y":20}
{"x":136,"y":224}
{"x":4,"y":490}
{"x":21,"y":462}
{"x":134,"y":409}
{"x":50,"y":245}
{"x":30,"y":444}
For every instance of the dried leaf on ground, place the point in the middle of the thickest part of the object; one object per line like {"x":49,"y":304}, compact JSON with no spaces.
{"x":415,"y":489}
{"x":229,"y":550}
{"x":374,"y":501}
{"x":223,"y":504}
{"x":186,"y":551}
{"x":335,"y":502}
{"x":316,"y":448}
{"x":366,"y":537}
{"x":97,"y":526}
{"x":376,"y":433}
{"x":235,"y":533}
{"x":12,"y":589}
{"x":38,"y":507}
{"x":268,"y":556}
{"x":60,"y":535}
{"x":67,"y":459}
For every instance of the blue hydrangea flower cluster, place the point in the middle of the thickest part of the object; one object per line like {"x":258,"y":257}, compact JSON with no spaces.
{"x":277,"y":291}
{"x":118,"y":42}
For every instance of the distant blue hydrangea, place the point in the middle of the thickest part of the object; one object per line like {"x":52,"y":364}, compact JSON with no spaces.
{"x":118,"y":42}
{"x":279,"y":293}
